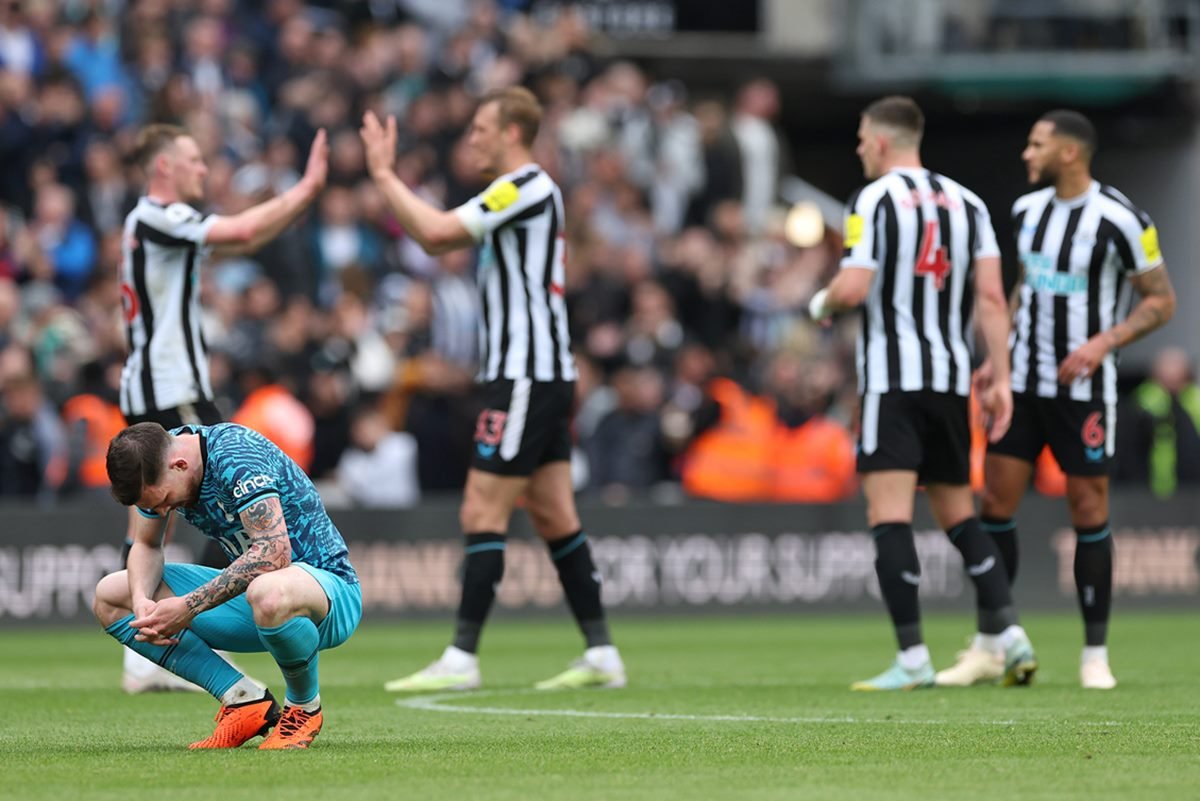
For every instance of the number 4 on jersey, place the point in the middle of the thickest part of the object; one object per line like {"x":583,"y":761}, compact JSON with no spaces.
{"x":931,"y":260}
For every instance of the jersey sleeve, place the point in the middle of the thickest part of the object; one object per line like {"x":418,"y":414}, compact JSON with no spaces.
{"x":858,"y":230}
{"x":503,"y":200}
{"x":245,"y":468}
{"x":1137,"y":242}
{"x":985,"y":237}
{"x":181,"y":224}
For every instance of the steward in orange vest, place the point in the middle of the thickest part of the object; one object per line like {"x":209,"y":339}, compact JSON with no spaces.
{"x":750,"y":454}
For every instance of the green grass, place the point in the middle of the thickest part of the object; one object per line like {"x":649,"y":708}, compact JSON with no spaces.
{"x":67,"y":732}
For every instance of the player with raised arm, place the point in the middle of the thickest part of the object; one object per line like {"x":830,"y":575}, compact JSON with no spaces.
{"x":289,"y":589}
{"x":527,"y":376}
{"x":166,"y":239}
{"x":920,"y":255}
{"x":1079,"y":242}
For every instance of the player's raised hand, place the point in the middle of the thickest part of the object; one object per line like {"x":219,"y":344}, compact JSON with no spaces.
{"x":317,"y":169}
{"x":379,"y":142}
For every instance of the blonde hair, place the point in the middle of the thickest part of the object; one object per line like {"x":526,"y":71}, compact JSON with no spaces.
{"x":517,"y":106}
{"x":154,"y":139}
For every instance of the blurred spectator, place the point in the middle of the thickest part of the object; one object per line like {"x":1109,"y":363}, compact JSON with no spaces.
{"x":1160,"y":430}
{"x":20,"y":52}
{"x":69,"y":245}
{"x":274,"y":412}
{"x":756,"y":108}
{"x":777,"y":447}
{"x":625,"y":452}
{"x":108,"y":196}
{"x":92,"y":418}
{"x":379,"y":469}
{"x":722,"y":162}
{"x":340,"y":238}
{"x":33,"y":442}
{"x":329,"y":396}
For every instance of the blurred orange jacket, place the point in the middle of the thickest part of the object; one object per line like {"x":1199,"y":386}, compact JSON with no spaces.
{"x":276,"y":414}
{"x":750,"y":455}
{"x":1048,"y":477}
{"x":101,"y":422}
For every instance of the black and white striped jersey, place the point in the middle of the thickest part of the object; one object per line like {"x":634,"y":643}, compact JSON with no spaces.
{"x":167,"y":364}
{"x":519,"y":222}
{"x":1075,"y":255}
{"x":921,"y":232}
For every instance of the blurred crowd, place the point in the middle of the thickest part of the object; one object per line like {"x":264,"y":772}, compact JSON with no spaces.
{"x":342,"y":340}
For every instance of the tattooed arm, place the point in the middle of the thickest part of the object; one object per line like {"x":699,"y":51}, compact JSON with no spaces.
{"x":1155,"y":307}
{"x":269,"y":549}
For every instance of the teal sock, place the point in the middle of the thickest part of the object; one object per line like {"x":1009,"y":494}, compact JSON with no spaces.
{"x":294,"y":646}
{"x":191,"y":658}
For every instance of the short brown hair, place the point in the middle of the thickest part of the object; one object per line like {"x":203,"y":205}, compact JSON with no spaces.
{"x":135,"y":460}
{"x":153,"y":139}
{"x":897,"y":112}
{"x":517,"y":106}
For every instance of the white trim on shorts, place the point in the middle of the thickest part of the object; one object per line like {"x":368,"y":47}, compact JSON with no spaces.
{"x":514,"y":423}
{"x":869,"y":436}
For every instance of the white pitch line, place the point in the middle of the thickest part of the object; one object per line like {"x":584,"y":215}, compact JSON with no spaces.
{"x":436,"y":703}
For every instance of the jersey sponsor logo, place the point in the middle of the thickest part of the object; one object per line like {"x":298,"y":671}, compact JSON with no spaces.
{"x":1094,"y":455}
{"x":1150,"y":245}
{"x":854,"y":230}
{"x":248,"y":485}
{"x":1041,"y":275}
{"x":500,"y":196}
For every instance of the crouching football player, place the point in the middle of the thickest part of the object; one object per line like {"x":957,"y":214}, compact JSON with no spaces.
{"x":289,"y":590}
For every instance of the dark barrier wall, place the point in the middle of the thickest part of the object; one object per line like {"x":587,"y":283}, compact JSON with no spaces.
{"x":696,"y":557}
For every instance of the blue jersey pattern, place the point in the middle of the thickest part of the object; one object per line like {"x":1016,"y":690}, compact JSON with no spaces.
{"x":242,"y":467}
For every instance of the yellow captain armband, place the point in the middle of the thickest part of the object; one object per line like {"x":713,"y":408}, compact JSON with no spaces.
{"x":1150,"y":245}
{"x":854,"y":230}
{"x":500,"y":196}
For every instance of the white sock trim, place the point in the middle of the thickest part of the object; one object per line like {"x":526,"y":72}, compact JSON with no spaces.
{"x":914,"y":657}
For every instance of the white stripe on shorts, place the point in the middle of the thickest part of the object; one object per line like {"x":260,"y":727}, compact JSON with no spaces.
{"x":869,"y":436}
{"x":514,"y":424}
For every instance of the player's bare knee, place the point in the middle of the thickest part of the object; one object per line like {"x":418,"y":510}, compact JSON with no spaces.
{"x":270,"y":601}
{"x":112,"y":598}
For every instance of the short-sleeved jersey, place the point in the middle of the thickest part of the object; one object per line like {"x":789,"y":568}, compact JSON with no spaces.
{"x":518,"y":220}
{"x":242,"y":467}
{"x":922,"y":233}
{"x":167,"y":364}
{"x":1075,"y":255}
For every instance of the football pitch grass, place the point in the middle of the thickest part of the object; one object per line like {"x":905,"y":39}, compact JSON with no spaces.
{"x":717,"y":708}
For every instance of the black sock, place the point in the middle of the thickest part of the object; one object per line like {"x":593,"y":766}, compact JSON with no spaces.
{"x":1093,"y":580}
{"x":985,"y":565}
{"x":572,"y":556}
{"x":899,"y":575}
{"x":483,"y":567}
{"x":1004,"y":534}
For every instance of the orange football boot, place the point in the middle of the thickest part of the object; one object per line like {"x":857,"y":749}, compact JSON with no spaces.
{"x":237,"y":723}
{"x":296,"y":729}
